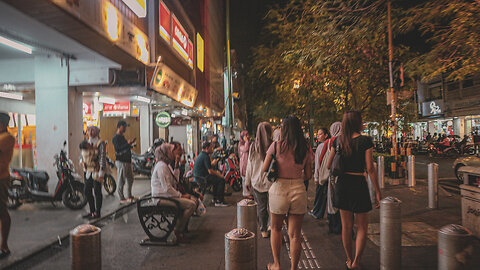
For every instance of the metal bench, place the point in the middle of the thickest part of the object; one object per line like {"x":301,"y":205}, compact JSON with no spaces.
{"x":157,"y":220}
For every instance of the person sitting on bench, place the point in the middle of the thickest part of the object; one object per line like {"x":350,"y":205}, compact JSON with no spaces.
{"x":164,"y":184}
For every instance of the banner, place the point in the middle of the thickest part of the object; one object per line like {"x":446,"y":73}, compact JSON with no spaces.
{"x":164,"y":21}
{"x":179,"y":38}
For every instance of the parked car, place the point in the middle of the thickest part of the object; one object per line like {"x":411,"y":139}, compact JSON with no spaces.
{"x":473,"y":161}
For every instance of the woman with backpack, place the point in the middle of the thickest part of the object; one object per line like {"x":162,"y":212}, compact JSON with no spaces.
{"x":255,"y":178}
{"x":288,"y":195}
{"x":320,"y":203}
{"x":355,"y":158}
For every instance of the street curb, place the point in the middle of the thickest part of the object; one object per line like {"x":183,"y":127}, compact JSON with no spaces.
{"x":61,"y":238}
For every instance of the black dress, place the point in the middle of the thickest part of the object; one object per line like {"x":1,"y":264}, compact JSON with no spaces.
{"x":351,"y":191}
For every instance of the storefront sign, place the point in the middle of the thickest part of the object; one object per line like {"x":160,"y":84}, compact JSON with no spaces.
{"x":87,"y":109}
{"x":163,"y":119}
{"x":138,"y":7}
{"x":119,"y":106}
{"x":190,"y":54}
{"x":200,"y":54}
{"x":167,"y":82}
{"x":431,"y":108}
{"x":164,"y":21}
{"x":179,"y":38}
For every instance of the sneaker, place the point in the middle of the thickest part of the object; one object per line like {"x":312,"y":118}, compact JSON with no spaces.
{"x":221,"y":204}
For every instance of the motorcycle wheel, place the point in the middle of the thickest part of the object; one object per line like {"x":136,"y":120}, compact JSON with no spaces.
{"x":13,"y":202}
{"x":452,"y":153}
{"x":237,"y":185}
{"x":74,"y":198}
{"x":109,"y":184}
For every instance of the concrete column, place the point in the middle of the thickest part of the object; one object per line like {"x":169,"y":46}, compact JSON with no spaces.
{"x":58,"y":112}
{"x":146,"y":128}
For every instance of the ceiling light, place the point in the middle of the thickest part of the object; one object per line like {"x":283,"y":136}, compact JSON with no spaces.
{"x":11,"y":96}
{"x":107,"y":100}
{"x":15,"y":45}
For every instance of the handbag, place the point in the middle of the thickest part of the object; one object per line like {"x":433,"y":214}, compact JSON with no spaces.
{"x":272,"y":174}
{"x":338,"y":167}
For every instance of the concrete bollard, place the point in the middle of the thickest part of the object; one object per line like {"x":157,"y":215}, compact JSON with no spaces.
{"x":86,"y":247}
{"x":390,"y":234}
{"x":240,"y":250}
{"x":433,"y":185}
{"x":381,"y":171}
{"x":247,"y":215}
{"x":455,"y":248}
{"x":411,"y":171}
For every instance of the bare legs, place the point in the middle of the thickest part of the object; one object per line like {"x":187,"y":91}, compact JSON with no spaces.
{"x":294,"y":234}
{"x":347,"y":229}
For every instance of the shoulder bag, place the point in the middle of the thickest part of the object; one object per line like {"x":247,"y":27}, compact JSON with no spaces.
{"x":272,"y":174}
{"x":338,"y":166}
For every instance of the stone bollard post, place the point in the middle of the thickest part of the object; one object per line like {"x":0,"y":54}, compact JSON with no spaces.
{"x":247,"y":215}
{"x":240,"y":250}
{"x":381,"y":171}
{"x":86,"y":246}
{"x":455,"y":248}
{"x":433,"y":185}
{"x":390,"y":234}
{"x":411,"y":171}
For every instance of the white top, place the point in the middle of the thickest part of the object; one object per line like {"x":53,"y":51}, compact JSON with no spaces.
{"x":318,"y":152}
{"x":164,"y":181}
{"x":255,"y":177}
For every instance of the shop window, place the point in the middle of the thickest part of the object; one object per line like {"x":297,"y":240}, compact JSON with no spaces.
{"x":435,"y":93}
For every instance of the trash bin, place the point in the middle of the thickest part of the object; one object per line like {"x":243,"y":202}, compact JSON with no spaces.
{"x":86,"y":246}
{"x":471,"y":208}
{"x":455,"y":248}
{"x":240,"y":250}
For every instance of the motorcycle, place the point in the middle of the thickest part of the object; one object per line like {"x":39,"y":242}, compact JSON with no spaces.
{"x":434,"y":151}
{"x":229,"y":166}
{"x":32,"y":186}
{"x":143,"y":164}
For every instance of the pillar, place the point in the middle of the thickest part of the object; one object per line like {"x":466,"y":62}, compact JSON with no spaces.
{"x":58,"y":110}
{"x":146,"y":128}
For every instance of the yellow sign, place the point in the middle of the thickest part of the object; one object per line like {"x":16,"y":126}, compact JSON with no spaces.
{"x":138,"y":7}
{"x":200,"y":54}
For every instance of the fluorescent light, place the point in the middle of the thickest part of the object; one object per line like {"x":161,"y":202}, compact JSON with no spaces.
{"x":15,"y":45}
{"x":142,"y":99}
{"x":107,"y":100}
{"x":11,"y":96}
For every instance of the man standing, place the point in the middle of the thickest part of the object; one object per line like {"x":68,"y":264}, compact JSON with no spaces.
{"x":203,"y":171}
{"x":123,"y":161}
{"x":7,"y":142}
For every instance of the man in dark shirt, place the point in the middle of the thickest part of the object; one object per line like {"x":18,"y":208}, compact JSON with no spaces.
{"x":203,"y":171}
{"x":123,"y":156}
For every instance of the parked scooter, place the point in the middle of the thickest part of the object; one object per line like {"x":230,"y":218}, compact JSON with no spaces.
{"x":229,"y":166}
{"x":32,"y":186}
{"x":435,"y":151}
{"x":143,"y":164}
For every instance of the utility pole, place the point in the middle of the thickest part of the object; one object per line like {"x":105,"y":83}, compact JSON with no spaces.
{"x":393,"y":98}
{"x":229,"y":67}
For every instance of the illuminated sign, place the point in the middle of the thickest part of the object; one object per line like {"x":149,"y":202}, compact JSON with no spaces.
{"x":163,"y":120}
{"x":87,"y":109}
{"x":142,"y":48}
{"x":112,"y":22}
{"x":164,"y":22}
{"x":431,"y":108}
{"x":167,"y":82}
{"x":190,"y":53}
{"x":200,"y":54}
{"x":119,"y":106}
{"x":138,"y":7}
{"x":179,"y":38}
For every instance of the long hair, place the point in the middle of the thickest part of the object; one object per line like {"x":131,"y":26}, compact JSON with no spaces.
{"x":351,"y":123}
{"x":263,"y":139}
{"x":292,"y":136}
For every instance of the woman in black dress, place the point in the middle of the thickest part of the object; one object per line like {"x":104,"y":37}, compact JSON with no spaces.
{"x":351,"y":191}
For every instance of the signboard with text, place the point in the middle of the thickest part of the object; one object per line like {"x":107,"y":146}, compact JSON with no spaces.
{"x":138,"y":7}
{"x":179,"y":38}
{"x":119,"y":106}
{"x":164,"y":22}
{"x":167,"y":82}
{"x":432,"y":108}
{"x":190,"y":53}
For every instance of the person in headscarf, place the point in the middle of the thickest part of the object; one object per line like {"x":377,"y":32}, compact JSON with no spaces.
{"x":255,"y":179}
{"x":164,"y":183}
{"x":333,"y":215}
{"x":277,"y":134}
{"x":94,"y":159}
{"x":243,"y":148}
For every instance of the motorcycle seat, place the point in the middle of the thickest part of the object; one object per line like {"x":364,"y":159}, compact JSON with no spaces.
{"x":41,"y":176}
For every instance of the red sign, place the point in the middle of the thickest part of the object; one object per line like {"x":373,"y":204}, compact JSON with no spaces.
{"x":165,"y":29}
{"x":190,"y":53}
{"x":180,"y":38}
{"x":87,"y":109}
{"x":119,"y":106}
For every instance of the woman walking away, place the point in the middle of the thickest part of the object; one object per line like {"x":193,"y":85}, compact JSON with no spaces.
{"x":255,"y":178}
{"x":333,"y":215}
{"x":320,"y":177}
{"x":351,"y":192}
{"x":243,"y":148}
{"x":287,"y":195}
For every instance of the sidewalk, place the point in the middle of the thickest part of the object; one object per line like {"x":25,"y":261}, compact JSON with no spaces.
{"x":38,"y":225}
{"x":120,"y":238}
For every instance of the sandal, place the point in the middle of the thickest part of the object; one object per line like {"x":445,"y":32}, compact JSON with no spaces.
{"x":4,"y":254}
{"x":269,"y":266}
{"x":346,"y":265}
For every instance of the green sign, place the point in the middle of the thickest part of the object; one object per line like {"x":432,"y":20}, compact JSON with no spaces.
{"x":163,"y":119}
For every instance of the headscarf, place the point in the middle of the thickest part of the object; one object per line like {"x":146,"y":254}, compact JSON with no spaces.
{"x":95,"y":129}
{"x":163,"y":152}
{"x":277,"y":134}
{"x":263,"y":139}
{"x":242,"y":134}
{"x":336,"y":129}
